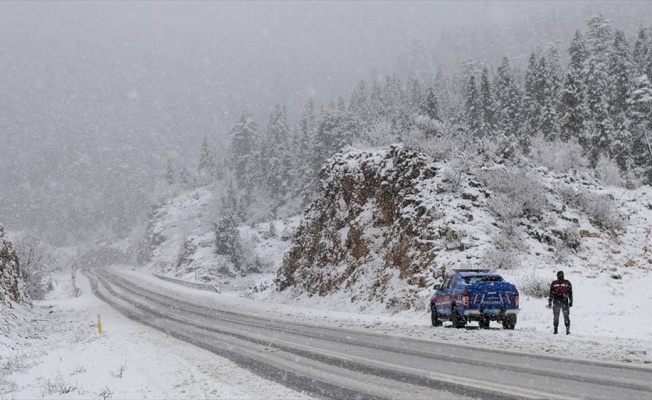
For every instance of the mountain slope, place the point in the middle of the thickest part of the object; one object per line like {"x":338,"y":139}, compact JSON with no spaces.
{"x":387,"y":223}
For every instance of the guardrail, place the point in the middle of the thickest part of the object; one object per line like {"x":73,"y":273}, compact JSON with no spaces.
{"x":201,"y":286}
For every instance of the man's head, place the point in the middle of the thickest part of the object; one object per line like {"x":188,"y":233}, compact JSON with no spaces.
{"x":560,"y":275}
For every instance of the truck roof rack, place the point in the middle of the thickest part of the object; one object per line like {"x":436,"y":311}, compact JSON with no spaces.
{"x":471,"y":270}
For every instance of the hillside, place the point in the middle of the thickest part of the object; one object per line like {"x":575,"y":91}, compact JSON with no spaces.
{"x":180,"y":240}
{"x":387,"y":223}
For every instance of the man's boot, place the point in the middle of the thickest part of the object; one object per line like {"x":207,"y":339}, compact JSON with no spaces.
{"x":568,"y":330}
{"x":555,"y":331}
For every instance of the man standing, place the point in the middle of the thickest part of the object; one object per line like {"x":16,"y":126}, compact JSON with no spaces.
{"x":561,"y":298}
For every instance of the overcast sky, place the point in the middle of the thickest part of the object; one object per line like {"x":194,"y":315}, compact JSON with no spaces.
{"x":96,"y":96}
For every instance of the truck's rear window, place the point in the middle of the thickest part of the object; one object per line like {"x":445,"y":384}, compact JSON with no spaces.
{"x":475,"y":279}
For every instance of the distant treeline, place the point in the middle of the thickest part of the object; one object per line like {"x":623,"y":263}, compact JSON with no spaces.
{"x":599,"y":99}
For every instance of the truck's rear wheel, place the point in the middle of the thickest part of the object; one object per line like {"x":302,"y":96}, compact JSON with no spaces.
{"x":458,"y":321}
{"x":509,"y":322}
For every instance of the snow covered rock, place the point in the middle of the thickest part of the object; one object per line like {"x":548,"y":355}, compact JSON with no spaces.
{"x":11,"y":284}
{"x":369,"y":230}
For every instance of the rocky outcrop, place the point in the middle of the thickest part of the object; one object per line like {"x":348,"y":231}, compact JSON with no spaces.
{"x":368,"y":231}
{"x":11,"y":284}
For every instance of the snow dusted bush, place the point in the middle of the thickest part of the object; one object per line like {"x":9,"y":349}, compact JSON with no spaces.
{"x":510,"y":238}
{"x":460,"y":164}
{"x":271,"y":231}
{"x":602,"y":212}
{"x":515,"y":194}
{"x":599,"y":208}
{"x":608,"y":173}
{"x":534,"y":286}
{"x":428,"y":126}
{"x":505,"y":207}
{"x":15,"y":363}
{"x":119,"y":371}
{"x":452,"y":179}
{"x":381,"y":133}
{"x":105,"y":393}
{"x":500,"y":259}
{"x":7,"y":386}
{"x":36,"y":263}
{"x":58,"y":386}
{"x":557,"y":155}
{"x":570,"y":237}
{"x":440,"y":147}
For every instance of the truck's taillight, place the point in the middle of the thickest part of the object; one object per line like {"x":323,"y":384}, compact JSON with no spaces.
{"x":465,"y":299}
{"x":516,"y":299}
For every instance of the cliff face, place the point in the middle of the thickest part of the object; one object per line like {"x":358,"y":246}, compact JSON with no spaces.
{"x":11,"y":285}
{"x":369,"y":231}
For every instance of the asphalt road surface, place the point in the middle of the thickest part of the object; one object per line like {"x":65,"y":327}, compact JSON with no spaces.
{"x":336,"y":363}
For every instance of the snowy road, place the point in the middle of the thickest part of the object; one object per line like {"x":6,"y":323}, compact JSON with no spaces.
{"x":339,"y":363}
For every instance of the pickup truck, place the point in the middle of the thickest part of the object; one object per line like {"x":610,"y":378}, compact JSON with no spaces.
{"x":474,"y":295}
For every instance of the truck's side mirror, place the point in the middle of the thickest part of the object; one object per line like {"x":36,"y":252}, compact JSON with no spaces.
{"x":436,"y":286}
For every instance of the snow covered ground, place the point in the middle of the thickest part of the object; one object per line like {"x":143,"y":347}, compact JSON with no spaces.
{"x":62,"y":355}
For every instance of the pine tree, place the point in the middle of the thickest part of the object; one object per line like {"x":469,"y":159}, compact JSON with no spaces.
{"x":440,"y":87}
{"x":242,"y":150}
{"x":546,"y":99}
{"x":169,"y":173}
{"x":335,"y":130}
{"x":578,"y":52}
{"x":305,"y":149}
{"x":620,"y":67}
{"x":640,"y":104}
{"x":394,"y":95}
{"x":427,"y":119}
{"x":599,"y":38}
{"x":642,"y":54}
{"x":207,"y":166}
{"x":304,"y":165}
{"x":597,"y":83}
{"x":227,"y":236}
{"x":416,"y":94}
{"x":620,"y":87}
{"x":358,"y":104}
{"x":276,"y":158}
{"x":532,"y":110}
{"x":341,"y":104}
{"x":571,"y":109}
{"x":185,"y":179}
{"x":555,"y":72}
{"x":572,"y":102}
{"x":377,"y":107}
{"x":430,"y":107}
{"x":487,"y":104}
{"x":473,"y":108}
{"x":508,"y":100}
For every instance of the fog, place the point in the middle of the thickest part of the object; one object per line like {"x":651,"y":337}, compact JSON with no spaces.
{"x":96,"y":97}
